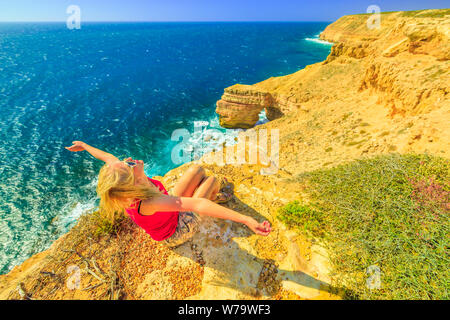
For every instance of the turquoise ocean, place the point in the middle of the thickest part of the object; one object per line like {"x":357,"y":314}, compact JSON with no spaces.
{"x":121,"y":87}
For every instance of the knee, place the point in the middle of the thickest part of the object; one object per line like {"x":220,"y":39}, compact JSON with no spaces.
{"x":196,"y":170}
{"x":211,"y":181}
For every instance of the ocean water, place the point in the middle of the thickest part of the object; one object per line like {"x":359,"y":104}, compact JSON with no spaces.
{"x":121,"y":87}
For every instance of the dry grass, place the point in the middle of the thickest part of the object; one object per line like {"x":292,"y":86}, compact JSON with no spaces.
{"x":392,"y":212}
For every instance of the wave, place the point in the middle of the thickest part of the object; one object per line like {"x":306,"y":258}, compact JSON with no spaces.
{"x":316,"y":39}
{"x":117,"y":104}
{"x":75,"y":209}
{"x":211,"y":136}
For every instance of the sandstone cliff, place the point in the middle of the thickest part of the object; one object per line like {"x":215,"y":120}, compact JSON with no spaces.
{"x":403,"y":64}
{"x":379,"y":91}
{"x":240,"y":106}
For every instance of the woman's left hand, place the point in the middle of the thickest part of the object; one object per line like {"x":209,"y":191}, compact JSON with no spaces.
{"x":262,"y":229}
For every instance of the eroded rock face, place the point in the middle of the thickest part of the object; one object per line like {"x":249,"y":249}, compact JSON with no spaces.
{"x":358,"y":51}
{"x":240,"y":106}
{"x":241,"y":265}
{"x":394,"y":99}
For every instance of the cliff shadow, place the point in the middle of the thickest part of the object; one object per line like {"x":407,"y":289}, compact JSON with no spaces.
{"x":234,"y":264}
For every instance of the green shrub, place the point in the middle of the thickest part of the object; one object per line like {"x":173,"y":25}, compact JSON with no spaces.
{"x":392,"y":212}
{"x":437,"y":13}
{"x":296,"y":215}
{"x":105,"y":227}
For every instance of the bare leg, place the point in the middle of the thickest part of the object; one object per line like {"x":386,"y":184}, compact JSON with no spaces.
{"x":190,"y":180}
{"x":208,"y":189}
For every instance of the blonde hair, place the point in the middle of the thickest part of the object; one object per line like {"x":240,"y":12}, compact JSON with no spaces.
{"x":116,"y":189}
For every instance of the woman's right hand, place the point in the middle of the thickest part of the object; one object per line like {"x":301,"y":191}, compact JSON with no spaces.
{"x":76,"y":146}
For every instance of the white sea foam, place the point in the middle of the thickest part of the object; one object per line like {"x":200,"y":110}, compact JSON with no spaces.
{"x":316,"y":39}
{"x":211,"y":136}
{"x":74,"y":209}
{"x":262,"y":118}
{"x":64,"y":222}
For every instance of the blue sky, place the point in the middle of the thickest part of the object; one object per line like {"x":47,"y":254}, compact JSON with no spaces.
{"x":201,"y":10}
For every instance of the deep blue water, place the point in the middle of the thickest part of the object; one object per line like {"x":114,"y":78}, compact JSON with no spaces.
{"x":123,"y":88}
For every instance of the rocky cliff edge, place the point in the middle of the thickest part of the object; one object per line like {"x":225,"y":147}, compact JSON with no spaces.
{"x":379,"y":91}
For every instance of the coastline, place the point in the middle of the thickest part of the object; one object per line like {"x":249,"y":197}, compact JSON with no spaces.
{"x":32,"y":218}
{"x":359,"y":110}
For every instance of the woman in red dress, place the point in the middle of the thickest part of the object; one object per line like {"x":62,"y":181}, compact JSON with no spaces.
{"x":171,"y":219}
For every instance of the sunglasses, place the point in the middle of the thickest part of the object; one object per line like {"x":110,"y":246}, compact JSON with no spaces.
{"x":131,"y":164}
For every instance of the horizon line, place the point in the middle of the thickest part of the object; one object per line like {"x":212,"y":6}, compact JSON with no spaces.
{"x":156,"y":21}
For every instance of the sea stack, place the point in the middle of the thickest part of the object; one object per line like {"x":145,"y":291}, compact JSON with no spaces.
{"x":240,"y":106}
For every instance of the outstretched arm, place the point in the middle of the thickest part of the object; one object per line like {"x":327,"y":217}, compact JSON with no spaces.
{"x":96,"y":153}
{"x":202,"y":206}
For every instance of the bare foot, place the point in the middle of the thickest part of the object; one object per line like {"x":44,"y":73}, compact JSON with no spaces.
{"x":222,"y":197}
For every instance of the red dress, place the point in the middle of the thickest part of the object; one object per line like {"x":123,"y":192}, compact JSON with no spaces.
{"x":160,"y":225}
